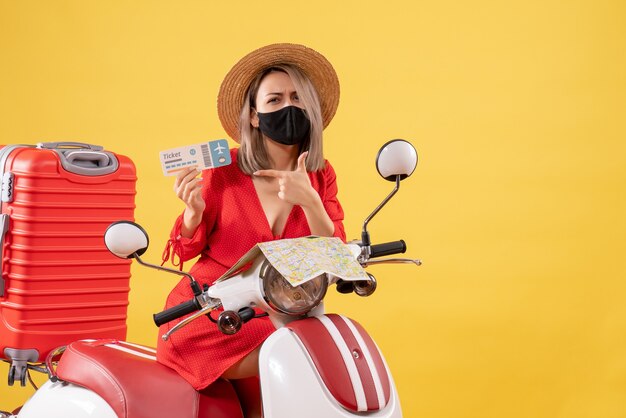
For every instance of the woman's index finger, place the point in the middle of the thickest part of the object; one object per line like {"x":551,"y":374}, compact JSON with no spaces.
{"x":268,"y":173}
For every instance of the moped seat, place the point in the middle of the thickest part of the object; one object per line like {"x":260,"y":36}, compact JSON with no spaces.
{"x":130,"y":380}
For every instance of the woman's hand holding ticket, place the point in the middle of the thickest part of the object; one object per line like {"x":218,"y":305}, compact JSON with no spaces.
{"x":188,"y":188}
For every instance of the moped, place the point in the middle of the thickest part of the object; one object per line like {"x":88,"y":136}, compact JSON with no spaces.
{"x":313,"y":365}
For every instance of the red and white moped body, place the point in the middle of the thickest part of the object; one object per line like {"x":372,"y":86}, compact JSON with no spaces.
{"x":117,"y":379}
{"x":320,"y":366}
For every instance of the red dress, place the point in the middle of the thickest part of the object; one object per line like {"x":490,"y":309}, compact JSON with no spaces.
{"x":233,"y":222}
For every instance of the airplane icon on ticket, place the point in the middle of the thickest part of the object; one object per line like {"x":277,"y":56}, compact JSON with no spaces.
{"x":219,"y":148}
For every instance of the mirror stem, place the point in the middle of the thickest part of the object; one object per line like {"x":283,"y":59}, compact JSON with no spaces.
{"x":194,"y":284}
{"x":365,"y":236}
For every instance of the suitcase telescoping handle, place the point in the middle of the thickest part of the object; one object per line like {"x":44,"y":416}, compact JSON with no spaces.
{"x":69,"y":144}
{"x":4,"y":227}
{"x":83,"y":159}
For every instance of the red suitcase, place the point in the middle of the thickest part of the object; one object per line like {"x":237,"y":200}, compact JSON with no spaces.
{"x":59,"y":283}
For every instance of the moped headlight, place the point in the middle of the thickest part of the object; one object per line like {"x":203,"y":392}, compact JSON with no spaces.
{"x":288,"y":299}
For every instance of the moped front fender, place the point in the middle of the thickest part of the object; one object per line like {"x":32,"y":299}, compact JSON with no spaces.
{"x":292,"y":386}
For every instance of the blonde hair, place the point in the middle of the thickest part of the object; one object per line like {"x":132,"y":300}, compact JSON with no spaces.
{"x":252,"y":155}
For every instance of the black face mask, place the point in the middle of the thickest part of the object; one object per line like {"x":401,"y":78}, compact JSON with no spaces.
{"x":288,"y":126}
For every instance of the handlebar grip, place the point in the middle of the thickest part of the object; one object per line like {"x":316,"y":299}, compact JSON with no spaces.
{"x":176,"y":312}
{"x":388,"y":248}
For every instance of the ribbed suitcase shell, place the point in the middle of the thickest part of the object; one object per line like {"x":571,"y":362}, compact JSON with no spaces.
{"x":60,"y":283}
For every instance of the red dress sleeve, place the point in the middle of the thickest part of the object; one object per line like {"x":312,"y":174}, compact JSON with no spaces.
{"x":180,"y":249}
{"x":330,"y":201}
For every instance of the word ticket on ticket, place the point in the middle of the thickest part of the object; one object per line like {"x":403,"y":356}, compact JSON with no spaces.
{"x":207,"y":155}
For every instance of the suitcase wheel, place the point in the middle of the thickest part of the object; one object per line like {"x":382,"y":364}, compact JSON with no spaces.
{"x":17,"y":373}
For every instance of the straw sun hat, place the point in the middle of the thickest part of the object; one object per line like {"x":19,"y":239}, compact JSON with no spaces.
{"x":235,"y":85}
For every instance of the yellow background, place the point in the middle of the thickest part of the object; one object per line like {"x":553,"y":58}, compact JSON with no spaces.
{"x":517,"y":207}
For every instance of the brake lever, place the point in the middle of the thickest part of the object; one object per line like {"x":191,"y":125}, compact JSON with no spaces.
{"x":392,"y":261}
{"x":205,"y":310}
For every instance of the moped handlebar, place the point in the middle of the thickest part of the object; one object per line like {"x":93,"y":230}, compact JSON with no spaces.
{"x":388,"y":248}
{"x":176,"y":312}
{"x":202,"y":304}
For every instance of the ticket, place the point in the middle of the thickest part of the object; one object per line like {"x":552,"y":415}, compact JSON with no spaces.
{"x":204,"y":156}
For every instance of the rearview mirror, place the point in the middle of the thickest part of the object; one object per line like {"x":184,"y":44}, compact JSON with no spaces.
{"x":126,"y":239}
{"x":396,"y":158}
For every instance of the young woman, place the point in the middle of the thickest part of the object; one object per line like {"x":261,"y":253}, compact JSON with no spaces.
{"x":275,"y":102}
